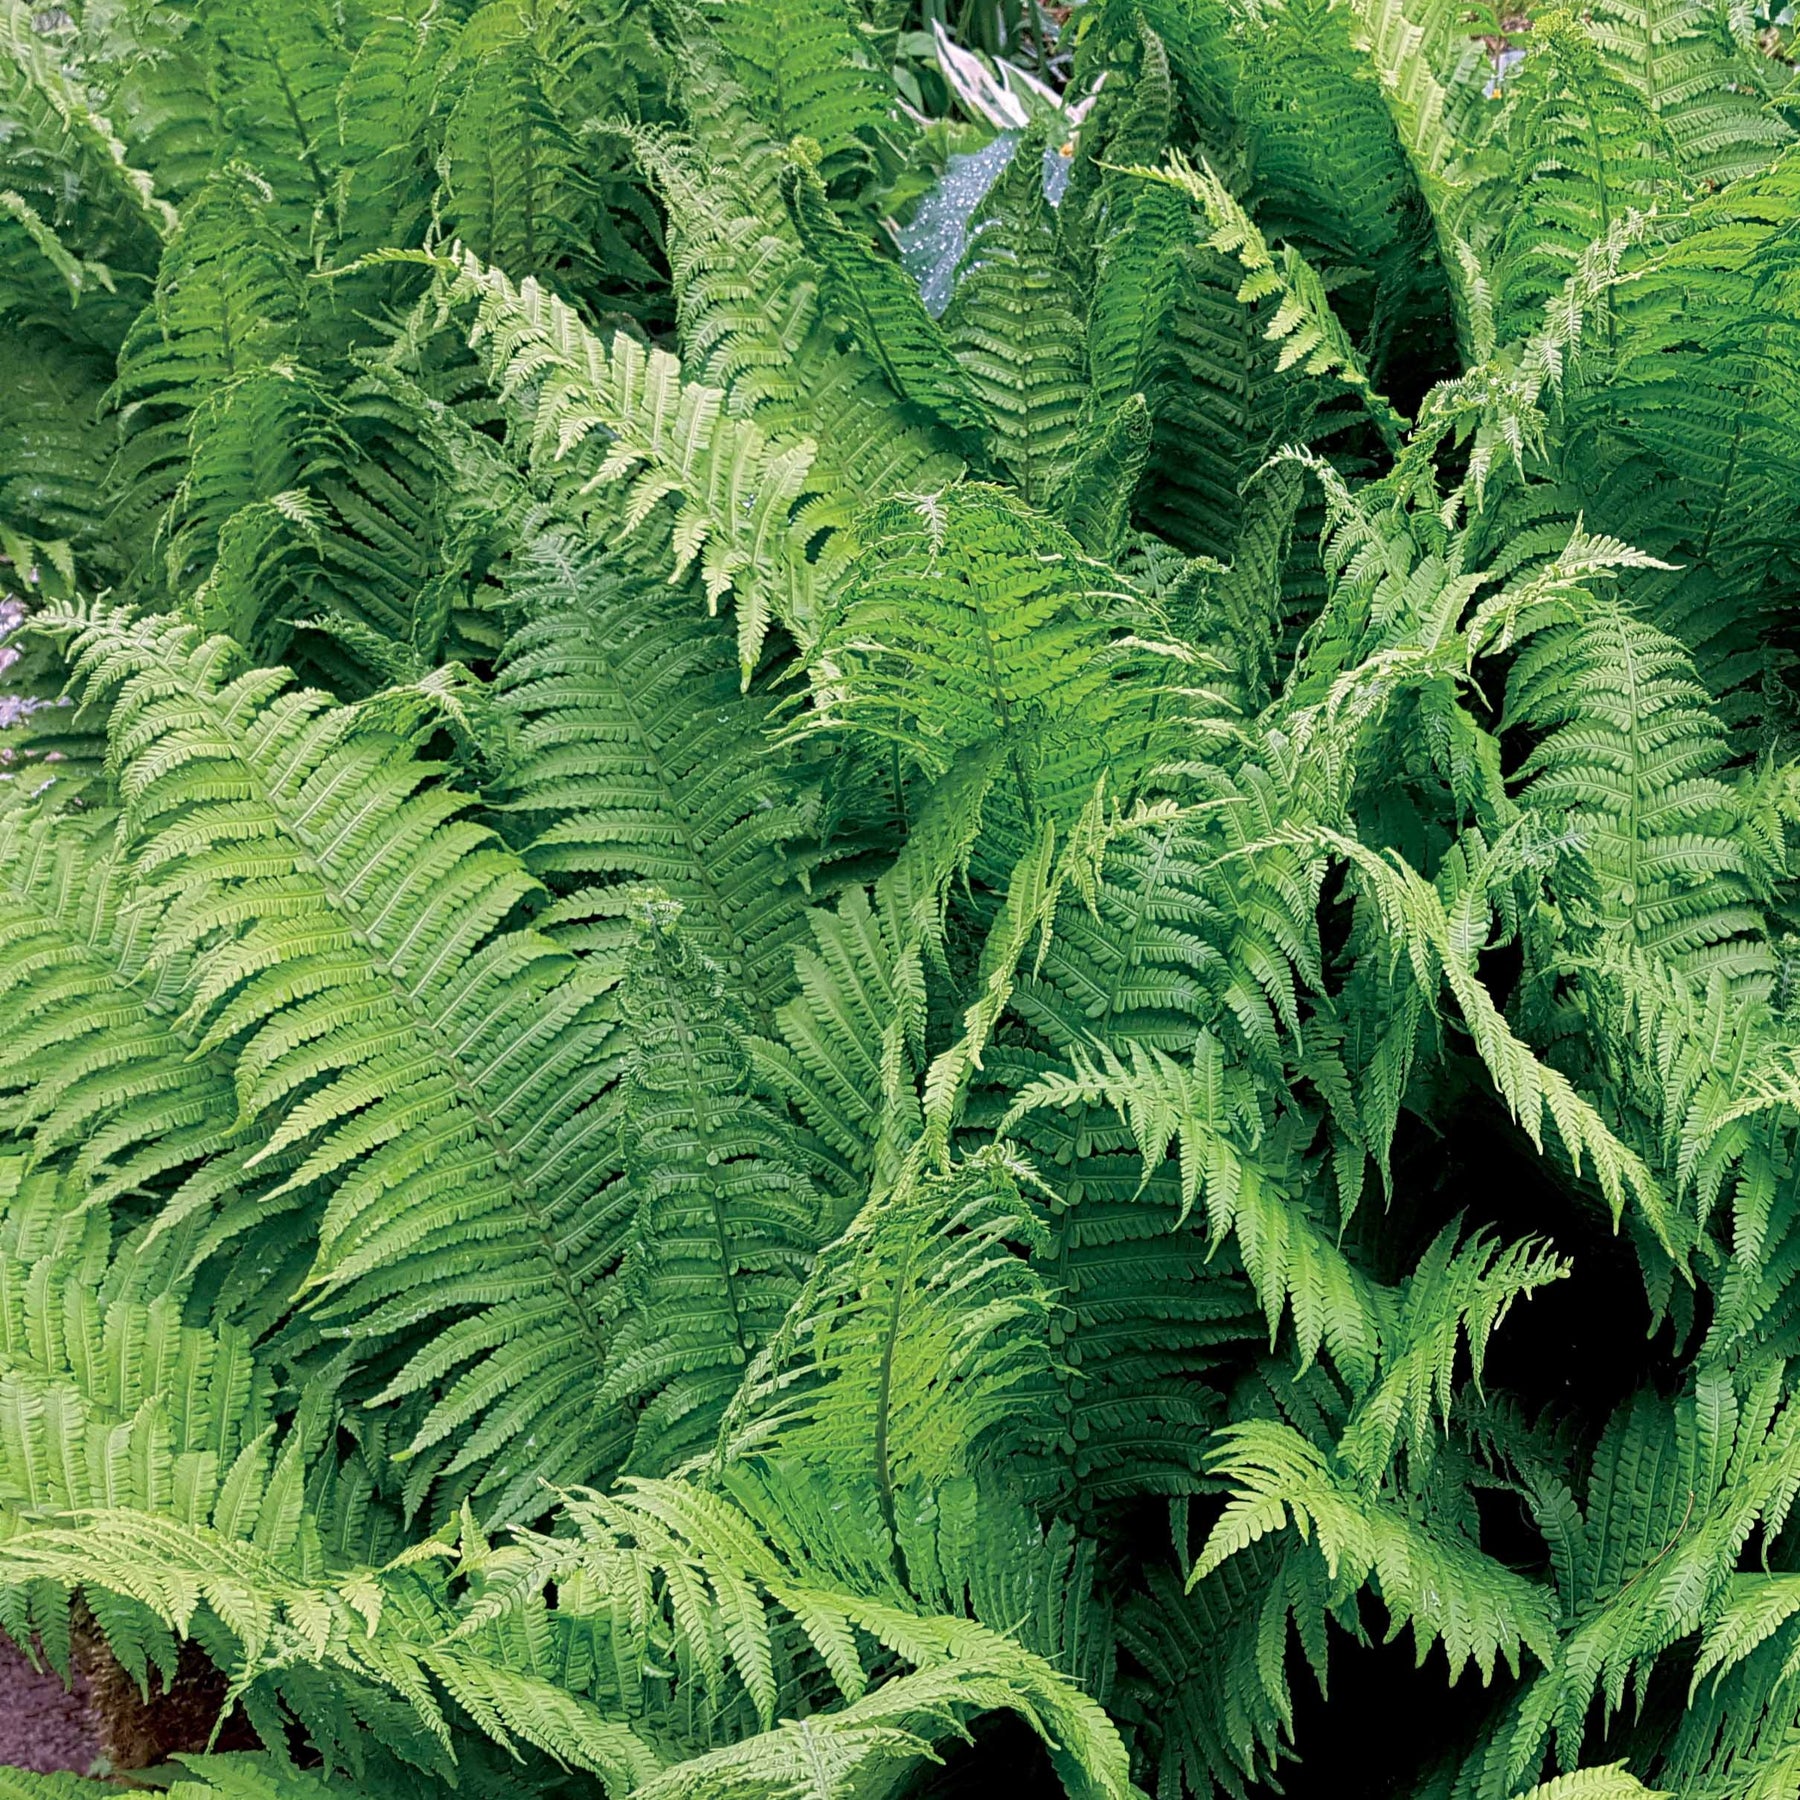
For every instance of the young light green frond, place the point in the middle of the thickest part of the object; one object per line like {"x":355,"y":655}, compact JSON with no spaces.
{"x":679,"y":1567}
{"x":1456,"y":1297}
{"x":1612,"y":1782}
{"x":277,"y":1620}
{"x":592,"y":415}
{"x":1303,"y":323}
{"x":1442,"y":1586}
{"x":910,"y":1355}
{"x":1631,"y":765}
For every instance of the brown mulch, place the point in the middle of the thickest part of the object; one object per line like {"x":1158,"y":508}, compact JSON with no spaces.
{"x":103,"y":1723}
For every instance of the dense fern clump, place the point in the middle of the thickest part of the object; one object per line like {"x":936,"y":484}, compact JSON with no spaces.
{"x":893,"y":899}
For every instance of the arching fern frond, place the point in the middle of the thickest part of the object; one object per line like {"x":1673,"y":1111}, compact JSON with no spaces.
{"x":228,"y":302}
{"x":638,"y":761}
{"x":1632,"y":762}
{"x":354,"y":951}
{"x":852,"y":1038}
{"x":592,"y":415}
{"x":1205,"y":1112}
{"x":98,"y":1084}
{"x":756,"y":314}
{"x":886,"y":314}
{"x":1303,"y":323}
{"x":1446,"y":1589}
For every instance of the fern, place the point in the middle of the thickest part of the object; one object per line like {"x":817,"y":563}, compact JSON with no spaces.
{"x":670,"y":436}
{"x":593,"y":1196}
{"x":970,"y":620}
{"x":1656,"y":824}
{"x":358,"y":999}
{"x":627,"y":776}
{"x":810,"y":70}
{"x":722,"y":1227}
{"x":1012,"y":325}
{"x":1303,"y":323}
{"x":1480,"y":1611}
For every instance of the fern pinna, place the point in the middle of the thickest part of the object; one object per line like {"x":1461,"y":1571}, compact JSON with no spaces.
{"x":894,"y":898}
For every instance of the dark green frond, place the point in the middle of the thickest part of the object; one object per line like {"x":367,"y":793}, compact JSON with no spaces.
{"x":638,"y":761}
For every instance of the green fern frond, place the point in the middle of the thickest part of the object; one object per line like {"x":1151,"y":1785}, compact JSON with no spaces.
{"x":1631,"y":764}
{"x":756,"y":311}
{"x":276,"y":80}
{"x":1457,"y":1294}
{"x":1215,"y":1697}
{"x":809,"y":67}
{"x":1096,"y":494}
{"x":724,"y":1224}
{"x":1207,"y":1111}
{"x":1674,"y":1493}
{"x":98,"y":1085}
{"x":356,"y":957}
{"x":1707,"y":87}
{"x":638,"y":761}
{"x":885,"y":314}
{"x":735,"y":491}
{"x":228,"y":303}
{"x":515,"y":186}
{"x":909,"y":1357}
{"x":852,"y":1039}
{"x":1446,"y":1589}
{"x":969,"y":619}
{"x":1574,"y":150}
{"x":64,"y":160}
{"x":1303,"y":323}
{"x":1014,"y":327}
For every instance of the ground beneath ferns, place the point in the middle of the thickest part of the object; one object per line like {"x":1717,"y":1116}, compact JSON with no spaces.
{"x":103,"y":1724}
{"x":42,"y":1725}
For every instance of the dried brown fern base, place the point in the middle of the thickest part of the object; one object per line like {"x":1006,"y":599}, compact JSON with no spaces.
{"x":135,"y":1731}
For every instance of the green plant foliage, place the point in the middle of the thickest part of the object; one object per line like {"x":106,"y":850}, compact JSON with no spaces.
{"x":759,"y":1041}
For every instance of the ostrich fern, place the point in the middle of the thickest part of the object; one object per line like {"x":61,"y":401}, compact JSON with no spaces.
{"x":741,"y":1022}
